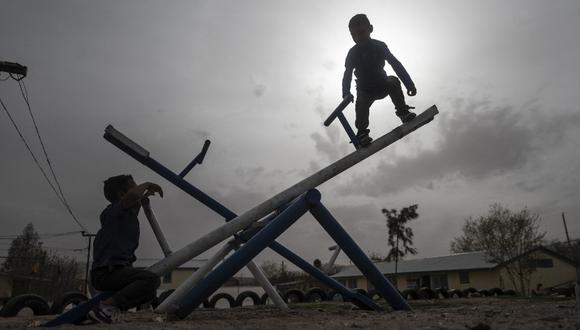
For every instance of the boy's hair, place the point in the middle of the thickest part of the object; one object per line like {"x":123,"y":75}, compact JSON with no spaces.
{"x":359,"y":19}
{"x":114,"y":185}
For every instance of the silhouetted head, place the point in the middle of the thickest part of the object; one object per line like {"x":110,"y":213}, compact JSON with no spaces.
{"x":360,"y":28}
{"x":117,"y":186}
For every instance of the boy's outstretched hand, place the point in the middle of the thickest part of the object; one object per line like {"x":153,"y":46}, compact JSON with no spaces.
{"x":348,"y":95}
{"x":153,"y":188}
{"x":412,"y":92}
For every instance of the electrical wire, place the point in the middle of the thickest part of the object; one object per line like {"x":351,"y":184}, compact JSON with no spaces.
{"x":24,"y":93}
{"x":29,"y":149}
{"x":44,"y":236}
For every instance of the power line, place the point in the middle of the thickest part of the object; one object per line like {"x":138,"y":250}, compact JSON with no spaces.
{"x":60,"y":196}
{"x":28,"y":147}
{"x":44,"y":236}
{"x":24,"y":93}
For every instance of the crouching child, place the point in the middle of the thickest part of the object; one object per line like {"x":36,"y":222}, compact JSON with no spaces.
{"x":114,"y":250}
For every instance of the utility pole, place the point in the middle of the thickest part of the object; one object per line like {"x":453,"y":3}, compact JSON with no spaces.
{"x":90,"y":236}
{"x":577,"y":285}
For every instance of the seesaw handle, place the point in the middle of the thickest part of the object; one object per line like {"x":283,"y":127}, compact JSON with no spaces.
{"x":338,"y":109}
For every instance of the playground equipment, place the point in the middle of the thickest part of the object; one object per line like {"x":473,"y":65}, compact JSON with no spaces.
{"x":256,"y":229}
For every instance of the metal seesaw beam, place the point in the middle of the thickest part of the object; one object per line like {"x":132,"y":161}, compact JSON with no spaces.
{"x":239,"y":223}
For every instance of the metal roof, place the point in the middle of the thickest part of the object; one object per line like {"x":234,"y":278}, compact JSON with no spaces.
{"x":454,"y":262}
{"x":147,"y":262}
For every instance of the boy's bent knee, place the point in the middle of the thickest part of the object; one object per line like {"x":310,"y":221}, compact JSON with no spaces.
{"x":153,"y":279}
{"x":393,"y":81}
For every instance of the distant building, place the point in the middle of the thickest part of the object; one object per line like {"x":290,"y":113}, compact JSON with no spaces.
{"x":173,"y":279}
{"x":464,"y":270}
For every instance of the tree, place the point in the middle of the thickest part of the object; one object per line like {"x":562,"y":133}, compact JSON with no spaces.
{"x":25,"y":255}
{"x":400,"y":237}
{"x":34,"y":270}
{"x":506,"y":237}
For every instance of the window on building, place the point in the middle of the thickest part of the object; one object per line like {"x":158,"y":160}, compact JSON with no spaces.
{"x":439,"y":281}
{"x":167,"y":277}
{"x":542,"y":263}
{"x":463,"y":277}
{"x":351,"y":283}
{"x":413,"y":282}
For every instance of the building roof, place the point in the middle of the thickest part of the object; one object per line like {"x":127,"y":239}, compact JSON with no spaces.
{"x":454,"y":262}
{"x":147,"y":262}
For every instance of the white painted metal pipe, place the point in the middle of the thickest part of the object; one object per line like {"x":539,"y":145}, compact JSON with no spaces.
{"x":171,"y":303}
{"x":268,"y":287}
{"x":146,"y":204}
{"x":244,"y":220}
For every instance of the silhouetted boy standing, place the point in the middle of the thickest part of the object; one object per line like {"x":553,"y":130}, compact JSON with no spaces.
{"x":367,"y":59}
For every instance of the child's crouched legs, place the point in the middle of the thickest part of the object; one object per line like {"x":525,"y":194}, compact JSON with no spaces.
{"x":141,"y":288}
{"x":396,"y":92}
{"x":364,"y":100}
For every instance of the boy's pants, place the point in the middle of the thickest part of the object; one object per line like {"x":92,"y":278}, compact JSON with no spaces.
{"x":133,"y":287}
{"x":364,"y":100}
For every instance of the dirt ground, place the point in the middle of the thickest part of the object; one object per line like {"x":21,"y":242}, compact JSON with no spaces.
{"x":472,"y":313}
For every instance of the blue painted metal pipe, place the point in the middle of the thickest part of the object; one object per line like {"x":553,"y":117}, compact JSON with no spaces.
{"x":175,"y":179}
{"x":356,"y":298}
{"x":246,"y":253}
{"x":143,"y":158}
{"x":197,"y":160}
{"x":338,"y":109}
{"x":349,"y":131}
{"x":358,"y":257}
{"x":79,"y":313}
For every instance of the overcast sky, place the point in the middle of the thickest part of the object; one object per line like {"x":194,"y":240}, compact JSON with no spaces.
{"x":257,"y":78}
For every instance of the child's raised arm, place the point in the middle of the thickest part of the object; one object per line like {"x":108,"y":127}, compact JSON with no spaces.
{"x":134,"y":195}
{"x":401,"y":73}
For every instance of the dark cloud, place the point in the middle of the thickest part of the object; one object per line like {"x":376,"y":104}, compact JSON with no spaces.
{"x":477,"y":141}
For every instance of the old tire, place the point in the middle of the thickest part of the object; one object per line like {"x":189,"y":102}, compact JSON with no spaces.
{"x":336,"y":296}
{"x":35,"y":302}
{"x":248,"y":294}
{"x":375,"y":295}
{"x":360,"y":291}
{"x":222,"y":295}
{"x":484,"y":293}
{"x":454,"y":293}
{"x":469,"y":292}
{"x":315,"y":295}
{"x":441,"y":293}
{"x":409,"y":294}
{"x":495,"y":292}
{"x":294,"y":296}
{"x":513,"y":293}
{"x":68,"y":298}
{"x":426,"y":293}
{"x":265,"y":297}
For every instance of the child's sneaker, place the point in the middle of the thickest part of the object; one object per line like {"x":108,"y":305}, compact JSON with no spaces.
{"x":102,"y":313}
{"x":405,"y":115}
{"x":364,"y":139}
